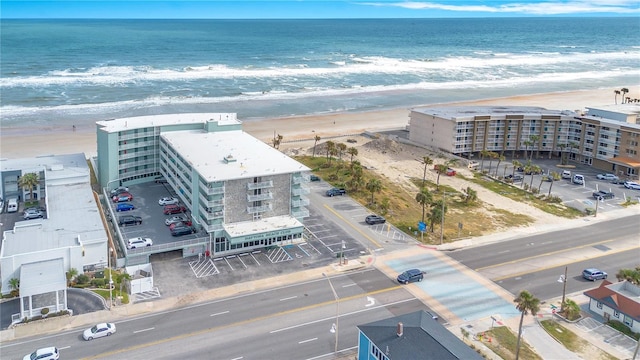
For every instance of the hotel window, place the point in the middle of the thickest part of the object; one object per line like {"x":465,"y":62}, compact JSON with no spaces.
{"x":628,"y":321}
{"x":599,"y":305}
{"x":616,"y":313}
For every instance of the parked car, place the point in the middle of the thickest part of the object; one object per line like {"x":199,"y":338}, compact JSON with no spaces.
{"x":335,"y":192}
{"x":100,"y":330}
{"x":514,"y":177}
{"x":578,"y":179}
{"x":566,"y":174}
{"x":314,"y":178}
{"x":608,"y":177}
{"x":593,"y":274}
{"x":173,"y":209}
{"x":123,"y":197}
{"x":125,"y":207}
{"x":39,"y":208}
{"x":375,"y":219}
{"x":179,"y":224}
{"x":175,"y":219}
{"x":160,"y":180}
{"x":119,"y":190}
{"x":632,"y":185}
{"x":168,"y":201}
{"x":139,"y":242}
{"x":32,"y":214}
{"x":129,"y":220}
{"x":182,"y":230}
{"x":472,"y":165}
{"x":411,"y":275}
{"x":601,"y":194}
{"x":451,"y":172}
{"x":48,"y":353}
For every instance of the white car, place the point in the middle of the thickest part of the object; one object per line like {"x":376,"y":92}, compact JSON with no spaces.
{"x":168,"y":201}
{"x":32,"y":214}
{"x":100,"y":330}
{"x":175,"y":219}
{"x":48,"y":353}
{"x":139,"y":242}
{"x":608,"y":177}
{"x":632,"y":185}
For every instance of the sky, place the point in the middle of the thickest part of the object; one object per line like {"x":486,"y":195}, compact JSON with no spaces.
{"x":312,"y":9}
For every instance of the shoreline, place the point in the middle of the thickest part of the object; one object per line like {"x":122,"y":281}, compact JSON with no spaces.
{"x":26,"y":141}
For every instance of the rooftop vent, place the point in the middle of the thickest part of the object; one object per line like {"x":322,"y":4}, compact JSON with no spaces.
{"x":229,"y":159}
{"x":400,"y":329}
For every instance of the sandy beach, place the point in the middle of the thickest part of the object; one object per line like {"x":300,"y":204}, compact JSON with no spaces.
{"x":19,"y":143}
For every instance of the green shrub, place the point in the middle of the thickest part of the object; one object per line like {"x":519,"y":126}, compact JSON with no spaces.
{"x":98,"y":282}
{"x":623,"y":329}
{"x":44,"y":311}
{"x":82,"y":279}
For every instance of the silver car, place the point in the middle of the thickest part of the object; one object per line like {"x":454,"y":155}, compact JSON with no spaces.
{"x":100,"y":330}
{"x":174,"y":220}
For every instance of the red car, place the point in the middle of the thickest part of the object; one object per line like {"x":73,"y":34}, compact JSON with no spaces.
{"x":123,"y":197}
{"x":174,"y":209}
{"x":181,"y":223}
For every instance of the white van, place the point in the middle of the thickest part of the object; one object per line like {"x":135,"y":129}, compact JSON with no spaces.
{"x":473,"y":165}
{"x":578,"y":179}
{"x":566,"y":174}
{"x":12,"y":205}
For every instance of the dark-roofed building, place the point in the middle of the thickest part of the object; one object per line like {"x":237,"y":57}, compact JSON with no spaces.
{"x":411,"y":336}
{"x":617,"y":301}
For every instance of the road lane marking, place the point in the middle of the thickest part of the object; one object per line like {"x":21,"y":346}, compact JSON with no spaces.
{"x":289,"y":298}
{"x":64,"y":347}
{"x":504,"y":251}
{"x":543,"y":255}
{"x":238,"y":358}
{"x":349,"y":285}
{"x":143,"y":330}
{"x":220,"y":313}
{"x":244,"y":322}
{"x":308,"y":340}
{"x":352,"y":226}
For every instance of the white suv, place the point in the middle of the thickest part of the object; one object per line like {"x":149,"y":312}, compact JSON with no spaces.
{"x":139,"y":242}
{"x":49,"y":353}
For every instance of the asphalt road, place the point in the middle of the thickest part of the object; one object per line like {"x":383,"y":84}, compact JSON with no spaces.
{"x":267,"y":324}
{"x":535,"y":262}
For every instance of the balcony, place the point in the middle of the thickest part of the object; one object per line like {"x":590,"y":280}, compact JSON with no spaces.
{"x":137,"y":144}
{"x":300,"y":191}
{"x":299,"y":203}
{"x":259,"y":209}
{"x":213,"y":227}
{"x":213,"y":215}
{"x":260,"y":185}
{"x":212,"y":190}
{"x":302,"y":213}
{"x":132,"y":164}
{"x":138,"y":135}
{"x":133,"y":154}
{"x":210,"y":203}
{"x":299,"y":179}
{"x":260,"y":197}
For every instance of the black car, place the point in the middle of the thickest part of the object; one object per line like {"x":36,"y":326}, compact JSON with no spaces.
{"x":514,"y":177}
{"x":182,"y":230}
{"x":600,"y":195}
{"x":412,"y":275}
{"x":129,"y":220}
{"x":335,"y":192}
{"x":314,"y":178}
{"x":375,"y":219}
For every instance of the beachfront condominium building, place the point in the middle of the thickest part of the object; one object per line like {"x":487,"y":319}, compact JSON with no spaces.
{"x":243,"y":192}
{"x":605,"y":138}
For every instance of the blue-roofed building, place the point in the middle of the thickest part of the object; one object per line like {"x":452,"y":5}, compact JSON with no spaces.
{"x":411,"y":336}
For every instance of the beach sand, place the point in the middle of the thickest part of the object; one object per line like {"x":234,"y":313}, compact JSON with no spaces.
{"x":19,"y":143}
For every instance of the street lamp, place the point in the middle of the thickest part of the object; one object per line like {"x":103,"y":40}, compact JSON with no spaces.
{"x":342,"y":252}
{"x":110,"y":278}
{"x":334,"y":328}
{"x":563,"y":279}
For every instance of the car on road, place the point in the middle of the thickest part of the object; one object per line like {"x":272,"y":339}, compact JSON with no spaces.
{"x":566,"y":174}
{"x":314,"y":178}
{"x":125,"y":207}
{"x":182,"y":230}
{"x":179,"y":224}
{"x":335,"y":192}
{"x":593,"y":274}
{"x":168,"y":201}
{"x":631,"y":185}
{"x":374,"y":219}
{"x":119,"y":190}
{"x":129,"y":220}
{"x":100,"y":330}
{"x":601,"y":194}
{"x":411,"y":275}
{"x":173,"y":209}
{"x":608,"y":177}
{"x":175,"y":219}
{"x":48,"y":353}
{"x":32,"y":214}
{"x":139,"y":242}
{"x":123,"y":197}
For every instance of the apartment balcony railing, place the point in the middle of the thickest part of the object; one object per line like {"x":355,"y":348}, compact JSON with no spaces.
{"x":260,"y":185}
{"x":136,"y":135}
{"x":299,"y":203}
{"x":259,"y":209}
{"x":213,"y":227}
{"x":128,"y":174}
{"x":211,"y":215}
{"x":300,"y":191}
{"x":300,"y":213}
{"x":131,"y":164}
{"x":260,"y":197}
{"x":299,"y":179}
{"x":136,"y":144}
{"x":213,"y":190}
{"x":133,"y":154}
{"x":210,"y":203}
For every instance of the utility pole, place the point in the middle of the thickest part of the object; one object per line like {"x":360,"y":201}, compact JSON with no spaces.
{"x":563,"y":279}
{"x":442,"y":218}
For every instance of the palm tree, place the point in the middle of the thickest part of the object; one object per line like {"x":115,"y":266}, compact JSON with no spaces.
{"x":492,"y":155}
{"x":441,"y":169}
{"x":14,"y":285}
{"x":534,"y":170}
{"x":374,"y":186}
{"x":316,"y":138}
{"x":516,"y":164}
{"x":624,"y":91}
{"x":616,"y":92}
{"x":276,"y":141}
{"x":29,"y":181}
{"x":436,"y":214}
{"x":501,"y":158}
{"x":470,"y":195}
{"x":527,"y":143}
{"x":534,"y":141}
{"x":562,"y":147}
{"x":331,"y":146}
{"x":353,"y":152}
{"x":426,"y":161}
{"x":72,"y":273}
{"x":342,"y":147}
{"x":424,"y":198}
{"x":483,"y":153}
{"x":571,"y":310}
{"x":555,"y":176}
{"x":526,"y":303}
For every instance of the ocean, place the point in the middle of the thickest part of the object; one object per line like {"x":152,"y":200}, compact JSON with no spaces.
{"x":56,"y":72}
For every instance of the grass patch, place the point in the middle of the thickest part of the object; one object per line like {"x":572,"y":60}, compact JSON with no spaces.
{"x":504,"y":341}
{"x":105,"y":294}
{"x":573,"y":342}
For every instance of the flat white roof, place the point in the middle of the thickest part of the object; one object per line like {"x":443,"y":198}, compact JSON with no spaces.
{"x":206,"y":152}
{"x":42,"y":277}
{"x":455,"y":112}
{"x":58,"y":162}
{"x":139,"y":122}
{"x":263,"y":225}
{"x":627,"y":108}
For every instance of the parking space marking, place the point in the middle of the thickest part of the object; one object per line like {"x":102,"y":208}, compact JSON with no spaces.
{"x":353,"y":226}
{"x":238,"y":257}
{"x":278,"y":254}
{"x":228,"y":263}
{"x":203,"y":268}
{"x":147,"y":295}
